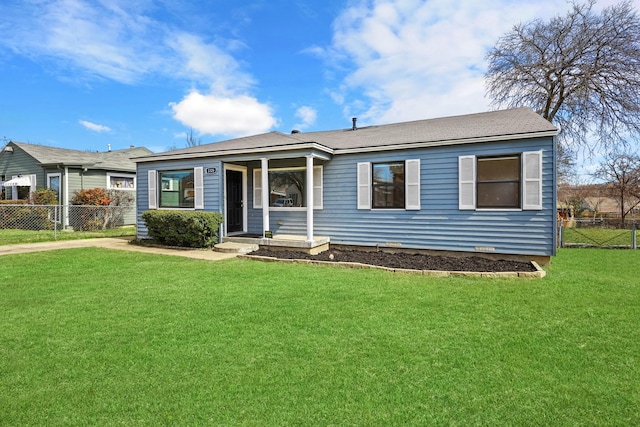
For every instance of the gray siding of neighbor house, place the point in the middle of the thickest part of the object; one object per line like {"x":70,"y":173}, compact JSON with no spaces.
{"x":20,"y":163}
{"x":96,"y":178}
{"x":213,"y":190}
{"x":439,"y":224}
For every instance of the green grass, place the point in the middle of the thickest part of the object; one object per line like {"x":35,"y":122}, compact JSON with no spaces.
{"x":13,"y":237}
{"x":596,"y":236}
{"x":97,"y":337}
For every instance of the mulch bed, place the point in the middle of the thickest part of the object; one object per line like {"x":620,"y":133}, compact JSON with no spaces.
{"x":406,"y":261}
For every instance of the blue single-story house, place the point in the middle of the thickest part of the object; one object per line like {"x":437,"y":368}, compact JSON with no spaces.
{"x":476,"y":184}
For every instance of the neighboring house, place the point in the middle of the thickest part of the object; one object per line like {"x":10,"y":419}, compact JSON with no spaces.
{"x":25,"y":168}
{"x":592,"y":201}
{"x":480,"y":183}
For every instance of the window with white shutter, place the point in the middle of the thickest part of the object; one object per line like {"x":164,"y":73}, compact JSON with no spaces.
{"x":364,"y":185}
{"x":317,"y":187}
{"x":467,"y":182}
{"x":412,"y":184}
{"x":152,"y":189}
{"x":257,"y":188}
{"x":278,"y":186}
{"x":532,"y":175}
{"x":198,"y":184}
{"x":501,"y":182}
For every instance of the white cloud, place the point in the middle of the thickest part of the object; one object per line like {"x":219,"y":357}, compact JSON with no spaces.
{"x":206,"y":63}
{"x":235,"y":116}
{"x":120,"y":41}
{"x":415,"y":59}
{"x":94,"y":127}
{"x":307,"y":115}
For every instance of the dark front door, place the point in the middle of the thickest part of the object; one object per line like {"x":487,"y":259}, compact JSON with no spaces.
{"x":235,"y":203}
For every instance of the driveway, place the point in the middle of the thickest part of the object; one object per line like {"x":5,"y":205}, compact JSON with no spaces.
{"x":113,"y":243}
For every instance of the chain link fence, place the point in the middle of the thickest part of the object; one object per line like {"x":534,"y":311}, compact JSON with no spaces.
{"x":598,"y":233}
{"x":65,"y":217}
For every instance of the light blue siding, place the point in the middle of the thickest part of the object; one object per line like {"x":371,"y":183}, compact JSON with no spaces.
{"x":213,"y":191}
{"x":438,"y":225}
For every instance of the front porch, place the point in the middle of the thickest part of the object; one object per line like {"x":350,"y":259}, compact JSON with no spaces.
{"x":279,"y":242}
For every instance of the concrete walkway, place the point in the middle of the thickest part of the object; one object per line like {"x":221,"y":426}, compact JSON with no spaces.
{"x":113,"y":243}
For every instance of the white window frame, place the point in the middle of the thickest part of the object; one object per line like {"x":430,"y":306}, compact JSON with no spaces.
{"x":198,"y":184}
{"x":412,"y":180}
{"x":32,"y":187}
{"x":121,"y":175}
{"x":530,"y":182}
{"x":318,"y":191}
{"x":59,"y":176}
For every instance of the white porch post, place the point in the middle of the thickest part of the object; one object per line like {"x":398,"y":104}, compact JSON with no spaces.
{"x":265,"y":194}
{"x":309,"y":189}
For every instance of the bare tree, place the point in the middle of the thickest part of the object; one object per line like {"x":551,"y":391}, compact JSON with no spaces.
{"x":573,"y":198}
{"x":580,"y":71}
{"x":621,"y":173}
{"x":192,"y":141}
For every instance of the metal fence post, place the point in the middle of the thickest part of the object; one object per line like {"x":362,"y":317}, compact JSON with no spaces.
{"x":55,"y":222}
{"x":560,"y":240}
{"x":634,"y":242}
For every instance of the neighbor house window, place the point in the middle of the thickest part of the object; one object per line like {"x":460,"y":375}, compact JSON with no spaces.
{"x":287,"y":188}
{"x":177,"y":189}
{"x":389,"y":185}
{"x":121,"y":182}
{"x":53,"y":183}
{"x":500,"y":182}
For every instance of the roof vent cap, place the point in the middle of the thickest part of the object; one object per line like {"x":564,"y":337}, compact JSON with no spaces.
{"x":295,"y":131}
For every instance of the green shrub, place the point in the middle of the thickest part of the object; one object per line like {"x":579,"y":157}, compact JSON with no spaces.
{"x":191,"y":229}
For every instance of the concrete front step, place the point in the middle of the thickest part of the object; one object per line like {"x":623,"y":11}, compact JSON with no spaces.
{"x":237,"y":248}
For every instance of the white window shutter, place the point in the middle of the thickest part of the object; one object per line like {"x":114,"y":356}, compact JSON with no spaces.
{"x":151,"y":185}
{"x":364,"y":185}
{"x":466,"y":182}
{"x":317,"y":187}
{"x":412,"y":184}
{"x":198,"y":181}
{"x":532,"y":186}
{"x":257,"y":188}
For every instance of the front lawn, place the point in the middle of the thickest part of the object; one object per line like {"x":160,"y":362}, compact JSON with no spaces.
{"x":14,"y":237}
{"x":97,"y":337}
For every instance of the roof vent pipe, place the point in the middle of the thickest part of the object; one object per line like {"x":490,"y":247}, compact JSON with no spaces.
{"x":108,"y":147}
{"x":354,"y":119}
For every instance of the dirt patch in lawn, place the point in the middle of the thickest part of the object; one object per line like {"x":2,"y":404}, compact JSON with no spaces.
{"x":403,"y":260}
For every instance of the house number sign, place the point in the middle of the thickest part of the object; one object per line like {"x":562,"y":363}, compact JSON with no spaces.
{"x":211,"y":171}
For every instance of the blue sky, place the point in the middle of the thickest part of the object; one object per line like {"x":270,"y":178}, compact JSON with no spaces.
{"x":83,"y":74}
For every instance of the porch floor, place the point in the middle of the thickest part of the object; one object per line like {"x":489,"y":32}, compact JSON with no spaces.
{"x":283,"y":242}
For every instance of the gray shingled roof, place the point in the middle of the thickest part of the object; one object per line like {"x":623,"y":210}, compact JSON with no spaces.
{"x":515,"y":123}
{"x":118,"y":160}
